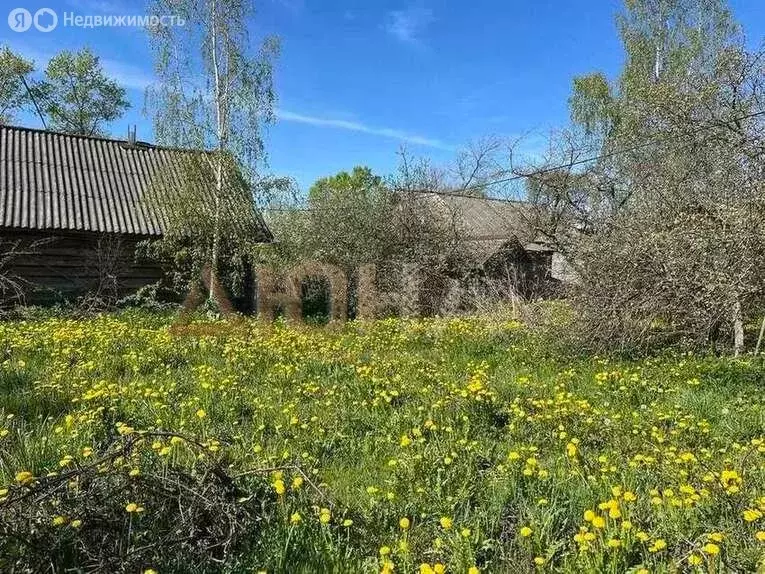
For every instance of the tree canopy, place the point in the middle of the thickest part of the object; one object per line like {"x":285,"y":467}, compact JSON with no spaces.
{"x":78,"y":96}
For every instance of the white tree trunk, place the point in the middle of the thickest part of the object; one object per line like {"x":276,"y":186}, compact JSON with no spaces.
{"x":738,"y":329}
{"x":220,"y":133}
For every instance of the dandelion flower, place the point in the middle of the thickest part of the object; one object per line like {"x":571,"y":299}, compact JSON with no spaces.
{"x":446,"y":522}
{"x":750,"y":515}
{"x":24,"y":477}
{"x":404,"y":523}
{"x":711,"y":548}
{"x":716,"y":536}
{"x":526,"y":531}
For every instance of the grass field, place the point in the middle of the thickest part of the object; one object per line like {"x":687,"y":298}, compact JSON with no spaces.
{"x":410,"y":446}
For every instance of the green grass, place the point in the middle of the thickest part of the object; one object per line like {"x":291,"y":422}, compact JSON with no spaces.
{"x":475,"y":421}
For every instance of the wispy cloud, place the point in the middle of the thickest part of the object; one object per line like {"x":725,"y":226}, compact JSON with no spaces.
{"x":104,"y":7}
{"x":408,"y":25}
{"x":126,"y":75}
{"x":288,"y":116}
{"x":293,"y":6}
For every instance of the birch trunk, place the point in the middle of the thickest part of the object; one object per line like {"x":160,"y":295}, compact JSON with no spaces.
{"x":220,"y":132}
{"x":738,"y":329}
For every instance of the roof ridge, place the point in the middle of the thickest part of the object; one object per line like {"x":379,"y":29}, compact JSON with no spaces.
{"x":458,"y":195}
{"x":137,"y":146}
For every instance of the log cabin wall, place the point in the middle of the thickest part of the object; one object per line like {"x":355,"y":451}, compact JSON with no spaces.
{"x":48,"y":268}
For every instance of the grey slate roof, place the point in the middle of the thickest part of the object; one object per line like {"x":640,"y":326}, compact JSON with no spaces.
{"x":485,"y":224}
{"x":55,"y":181}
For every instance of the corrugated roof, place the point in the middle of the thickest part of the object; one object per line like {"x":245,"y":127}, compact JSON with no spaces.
{"x":485,"y":224}
{"x":56,"y":181}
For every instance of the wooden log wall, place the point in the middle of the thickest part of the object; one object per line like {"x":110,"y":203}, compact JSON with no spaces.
{"x":59,"y":266}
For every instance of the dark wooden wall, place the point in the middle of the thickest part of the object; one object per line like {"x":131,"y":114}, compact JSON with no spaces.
{"x":61,"y":265}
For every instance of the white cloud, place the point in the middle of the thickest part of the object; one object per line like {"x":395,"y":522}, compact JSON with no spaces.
{"x":126,"y":75}
{"x":288,"y":116}
{"x":408,"y":25}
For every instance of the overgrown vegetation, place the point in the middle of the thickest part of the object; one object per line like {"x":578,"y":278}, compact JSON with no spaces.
{"x":664,"y":225}
{"x":463,"y":445}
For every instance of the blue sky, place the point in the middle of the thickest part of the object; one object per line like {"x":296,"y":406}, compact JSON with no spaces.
{"x":356,"y":80}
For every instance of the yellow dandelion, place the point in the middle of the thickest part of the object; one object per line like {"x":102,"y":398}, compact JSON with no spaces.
{"x":24,"y":477}
{"x":711,"y":548}
{"x":752,"y":514}
{"x":133,"y":507}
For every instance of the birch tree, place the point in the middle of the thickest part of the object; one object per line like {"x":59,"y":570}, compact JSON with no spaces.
{"x":215,"y":93}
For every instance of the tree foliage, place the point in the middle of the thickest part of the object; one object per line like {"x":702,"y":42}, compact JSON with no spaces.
{"x":77,"y":96}
{"x":13,"y":93}
{"x":665,"y":225}
{"x":214,"y":93}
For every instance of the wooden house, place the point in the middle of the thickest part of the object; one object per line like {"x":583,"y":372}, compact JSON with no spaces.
{"x":72,"y":211}
{"x":501,"y":241}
